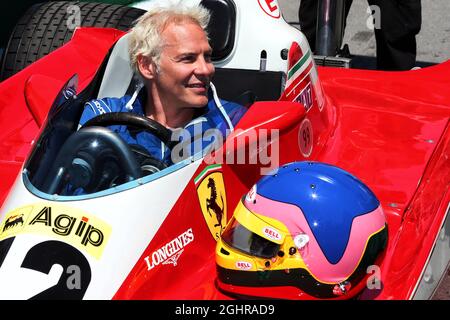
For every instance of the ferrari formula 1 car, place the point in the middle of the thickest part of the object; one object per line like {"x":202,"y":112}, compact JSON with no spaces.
{"x":149,"y":232}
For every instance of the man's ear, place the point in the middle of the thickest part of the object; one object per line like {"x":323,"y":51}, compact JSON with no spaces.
{"x":146,"y":67}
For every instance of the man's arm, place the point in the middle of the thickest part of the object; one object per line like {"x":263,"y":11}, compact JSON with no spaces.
{"x":236,"y":113}
{"x":95,"y":108}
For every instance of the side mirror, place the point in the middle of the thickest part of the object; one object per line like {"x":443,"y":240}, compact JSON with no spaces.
{"x":40,"y":91}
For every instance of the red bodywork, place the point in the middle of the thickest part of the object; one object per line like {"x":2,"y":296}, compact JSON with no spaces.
{"x":391,"y":130}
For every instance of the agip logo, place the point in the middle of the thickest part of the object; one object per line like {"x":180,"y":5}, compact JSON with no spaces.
{"x":67,"y":224}
{"x":13,"y":222}
{"x":212,"y":197}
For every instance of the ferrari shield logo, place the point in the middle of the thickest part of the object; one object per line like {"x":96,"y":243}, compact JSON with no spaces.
{"x":211,"y":194}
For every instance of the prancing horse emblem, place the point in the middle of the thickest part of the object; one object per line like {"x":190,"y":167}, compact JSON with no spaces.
{"x":212,"y":198}
{"x":211,"y":203}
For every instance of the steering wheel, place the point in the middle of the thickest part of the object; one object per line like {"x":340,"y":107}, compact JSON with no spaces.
{"x":149,"y":164}
{"x":133,"y":120}
{"x":93,"y":159}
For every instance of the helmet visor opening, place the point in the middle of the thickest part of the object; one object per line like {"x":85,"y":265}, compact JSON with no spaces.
{"x":242,"y":239}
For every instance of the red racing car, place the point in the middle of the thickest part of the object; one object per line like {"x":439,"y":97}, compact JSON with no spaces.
{"x":155,"y":233}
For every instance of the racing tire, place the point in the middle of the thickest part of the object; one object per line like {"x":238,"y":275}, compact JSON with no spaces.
{"x":45,"y":27}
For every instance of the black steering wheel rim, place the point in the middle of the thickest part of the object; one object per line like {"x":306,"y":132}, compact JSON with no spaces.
{"x":58,"y":175}
{"x":136,"y":121}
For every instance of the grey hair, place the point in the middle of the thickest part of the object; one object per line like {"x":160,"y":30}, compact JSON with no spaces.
{"x":145,"y":37}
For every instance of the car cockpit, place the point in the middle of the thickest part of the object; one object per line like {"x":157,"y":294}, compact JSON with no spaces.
{"x":94,"y":159}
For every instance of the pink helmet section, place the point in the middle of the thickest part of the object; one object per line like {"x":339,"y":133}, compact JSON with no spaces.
{"x":293,"y":218}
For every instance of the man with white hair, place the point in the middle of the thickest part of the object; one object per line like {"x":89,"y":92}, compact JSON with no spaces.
{"x":170,"y":52}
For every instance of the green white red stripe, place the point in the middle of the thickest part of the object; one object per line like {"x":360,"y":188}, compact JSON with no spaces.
{"x":299,"y":67}
{"x":206,"y":171}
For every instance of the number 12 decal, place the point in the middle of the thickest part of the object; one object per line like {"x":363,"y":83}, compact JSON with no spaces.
{"x":43,"y":256}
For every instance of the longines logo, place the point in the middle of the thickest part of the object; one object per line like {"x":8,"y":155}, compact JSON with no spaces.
{"x":171,"y":251}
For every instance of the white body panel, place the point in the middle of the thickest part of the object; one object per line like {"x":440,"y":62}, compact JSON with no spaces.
{"x":134,"y":216}
{"x":262,"y":27}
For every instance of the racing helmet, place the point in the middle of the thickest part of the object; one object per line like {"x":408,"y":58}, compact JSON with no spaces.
{"x":307,"y":231}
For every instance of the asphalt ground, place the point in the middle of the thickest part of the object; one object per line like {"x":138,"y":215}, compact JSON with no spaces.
{"x":433,"y":41}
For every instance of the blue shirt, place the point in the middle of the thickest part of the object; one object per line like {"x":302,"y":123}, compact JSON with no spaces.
{"x":211,"y":117}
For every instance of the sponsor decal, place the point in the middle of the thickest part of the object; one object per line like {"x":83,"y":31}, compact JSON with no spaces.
{"x":243,"y":265}
{"x":305,"y":138}
{"x":99,"y":107}
{"x":67,"y":224}
{"x":301,"y":240}
{"x":271,"y":233}
{"x":13,"y":222}
{"x":270,"y":7}
{"x":212,"y":197}
{"x":251,"y":195}
{"x":302,"y":83}
{"x":171,"y":251}
{"x":305,"y":97}
{"x":342,"y":288}
{"x":299,"y":73}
